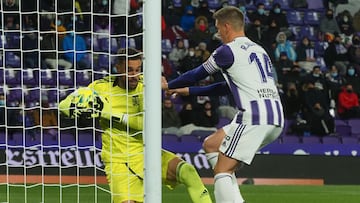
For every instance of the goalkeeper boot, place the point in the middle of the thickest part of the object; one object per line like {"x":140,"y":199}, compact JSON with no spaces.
{"x":187,"y":175}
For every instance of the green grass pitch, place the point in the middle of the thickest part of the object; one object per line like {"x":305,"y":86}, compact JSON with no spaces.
{"x":252,"y":194}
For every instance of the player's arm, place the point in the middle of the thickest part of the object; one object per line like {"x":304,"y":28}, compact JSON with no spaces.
{"x":221,"y":59}
{"x":133,"y":121}
{"x":216,"y":89}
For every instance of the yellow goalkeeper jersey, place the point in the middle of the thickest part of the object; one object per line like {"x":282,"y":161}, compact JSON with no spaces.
{"x":121,"y":142}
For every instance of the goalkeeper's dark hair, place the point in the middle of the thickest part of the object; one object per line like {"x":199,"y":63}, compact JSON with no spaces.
{"x":128,"y":54}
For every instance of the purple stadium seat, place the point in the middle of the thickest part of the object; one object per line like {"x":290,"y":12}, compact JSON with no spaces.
{"x":104,"y":44}
{"x":294,"y":17}
{"x":14,"y":95}
{"x":12,"y":59}
{"x":285,"y":4}
{"x":233,"y":3}
{"x":1,"y":75}
{"x":355,"y":126}
{"x":32,"y":97}
{"x":12,"y":40}
{"x":222,"y":122}
{"x":66,"y":78}
{"x":290,"y":139}
{"x":331,"y":140}
{"x":350,"y":140}
{"x":31,"y":77}
{"x":214,"y":4}
{"x":166,"y":46}
{"x":114,"y":46}
{"x":308,"y":31}
{"x":267,"y":3}
{"x":315,"y":5}
{"x":48,"y":77}
{"x":83,"y":78}
{"x":12,"y":77}
{"x":319,"y":48}
{"x":312,"y":17}
{"x":177,"y":3}
{"x":311,"y":140}
{"x":103,"y":61}
{"x":343,"y":130}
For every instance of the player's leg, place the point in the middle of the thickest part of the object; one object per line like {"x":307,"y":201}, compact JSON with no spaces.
{"x":125,"y":181}
{"x":182,"y":172}
{"x":211,"y":146}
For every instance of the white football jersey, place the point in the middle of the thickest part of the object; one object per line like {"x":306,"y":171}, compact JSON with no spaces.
{"x":247,"y":69}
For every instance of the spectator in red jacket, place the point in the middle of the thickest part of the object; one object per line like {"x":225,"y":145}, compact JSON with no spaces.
{"x":348,"y":103}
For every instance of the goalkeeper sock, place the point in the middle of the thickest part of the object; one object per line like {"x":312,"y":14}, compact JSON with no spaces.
{"x":187,"y":175}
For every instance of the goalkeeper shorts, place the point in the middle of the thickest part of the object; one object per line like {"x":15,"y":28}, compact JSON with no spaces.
{"x":126,"y":179}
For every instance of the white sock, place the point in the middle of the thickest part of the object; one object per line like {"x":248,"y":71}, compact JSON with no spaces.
{"x":212,"y":158}
{"x":223,"y":188}
{"x":237,"y":194}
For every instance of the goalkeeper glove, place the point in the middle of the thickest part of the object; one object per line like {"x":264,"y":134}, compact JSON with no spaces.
{"x":86,"y":104}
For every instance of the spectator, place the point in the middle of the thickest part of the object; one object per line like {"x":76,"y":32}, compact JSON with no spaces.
{"x":178,"y":53}
{"x":306,"y":54}
{"x":354,"y":50}
{"x":284,"y":45}
{"x":292,"y":101}
{"x":276,"y":15}
{"x":328,"y":23}
{"x":47,"y":118}
{"x":348,"y":103}
{"x":201,"y":32}
{"x":101,"y":6}
{"x":11,"y":19}
{"x":170,"y":117}
{"x":259,"y":14}
{"x":356,"y":21}
{"x":352,"y":78}
{"x":204,"y":52}
{"x":204,"y":10}
{"x":187,"y":114}
{"x":49,"y":54}
{"x":74,"y":42}
{"x":187,"y":21}
{"x":191,"y":60}
{"x":268,"y":39}
{"x":337,"y":54}
{"x":283,"y":66}
{"x":334,"y":82}
{"x":345,"y":23}
{"x":318,"y":79}
{"x":316,"y":111}
{"x":255,"y":31}
{"x":296,"y":4}
{"x":30,"y":42}
{"x":208,"y":117}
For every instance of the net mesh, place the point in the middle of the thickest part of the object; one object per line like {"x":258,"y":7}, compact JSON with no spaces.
{"x":48,"y":49}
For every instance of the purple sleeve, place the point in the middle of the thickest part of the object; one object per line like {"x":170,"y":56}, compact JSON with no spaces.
{"x":224,"y":57}
{"x":188,"y":78}
{"x":216,"y":89}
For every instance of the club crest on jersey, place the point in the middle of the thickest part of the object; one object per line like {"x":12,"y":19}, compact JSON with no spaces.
{"x":135,"y":100}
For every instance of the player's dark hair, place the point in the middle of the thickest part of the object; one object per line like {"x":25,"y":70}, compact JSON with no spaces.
{"x":230,"y":14}
{"x":128,"y":54}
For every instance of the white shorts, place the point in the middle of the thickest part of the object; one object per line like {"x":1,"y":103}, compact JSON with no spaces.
{"x":242,"y":141}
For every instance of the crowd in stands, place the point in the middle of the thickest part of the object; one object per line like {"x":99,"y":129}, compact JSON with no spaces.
{"x":314,"y":57}
{"x":315,"y":54}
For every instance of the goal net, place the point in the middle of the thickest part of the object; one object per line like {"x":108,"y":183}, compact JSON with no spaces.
{"x":48,"y":49}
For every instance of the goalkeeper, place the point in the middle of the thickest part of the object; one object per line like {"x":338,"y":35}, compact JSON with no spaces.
{"x":118,"y":103}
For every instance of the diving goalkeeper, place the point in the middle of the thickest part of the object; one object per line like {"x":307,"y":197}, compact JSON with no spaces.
{"x":118,"y":103}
